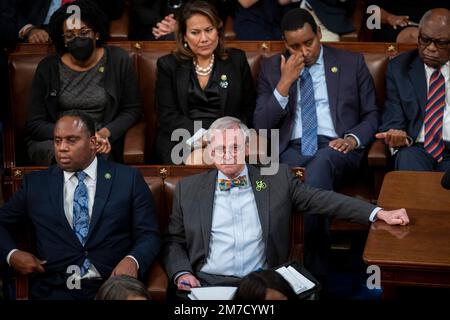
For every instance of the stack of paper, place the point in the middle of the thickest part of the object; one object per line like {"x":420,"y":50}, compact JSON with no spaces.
{"x":297,"y":281}
{"x":212,"y":293}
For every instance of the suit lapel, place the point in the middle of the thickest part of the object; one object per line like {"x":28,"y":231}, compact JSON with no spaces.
{"x":332,"y":80}
{"x":183,"y":73}
{"x":56,"y":186}
{"x":418,"y":79}
{"x":205,"y":199}
{"x":222,"y":68}
{"x":102,"y":191}
{"x":262,"y":194}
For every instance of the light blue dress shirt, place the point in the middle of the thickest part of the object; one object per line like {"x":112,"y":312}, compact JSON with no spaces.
{"x":54,"y":5}
{"x":325,"y":126}
{"x":236,"y":246}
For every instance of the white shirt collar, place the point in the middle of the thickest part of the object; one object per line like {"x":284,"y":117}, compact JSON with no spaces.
{"x":91,"y":171}
{"x":445,"y":69}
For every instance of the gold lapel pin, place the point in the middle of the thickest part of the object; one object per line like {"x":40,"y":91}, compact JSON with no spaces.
{"x":107,"y":175}
{"x":334,"y":69}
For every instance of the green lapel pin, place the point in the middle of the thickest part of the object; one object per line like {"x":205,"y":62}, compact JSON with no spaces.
{"x":107,"y":176}
{"x":260,"y":185}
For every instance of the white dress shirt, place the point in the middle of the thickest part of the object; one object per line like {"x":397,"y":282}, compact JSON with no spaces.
{"x":236,"y":246}
{"x":445,"y":70}
{"x":70,"y":184}
{"x":325,"y":126}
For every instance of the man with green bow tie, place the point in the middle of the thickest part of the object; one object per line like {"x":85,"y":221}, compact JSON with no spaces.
{"x":233,"y":220}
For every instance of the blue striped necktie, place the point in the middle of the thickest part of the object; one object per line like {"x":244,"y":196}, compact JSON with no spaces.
{"x":81,"y":215}
{"x":434,"y":115}
{"x":309,"y":115}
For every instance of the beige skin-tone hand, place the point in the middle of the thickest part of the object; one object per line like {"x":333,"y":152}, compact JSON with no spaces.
{"x":343,"y":145}
{"x":26,"y":263}
{"x":187,"y":281}
{"x":290,"y":71}
{"x":165,"y":26}
{"x":393,"y":217}
{"x":393,"y":138}
{"x":103,"y":145}
{"x":38,"y":36}
{"x":126,"y":266}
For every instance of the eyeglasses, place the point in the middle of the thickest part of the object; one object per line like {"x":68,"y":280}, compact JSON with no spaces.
{"x":221,"y":151}
{"x":440,"y":44}
{"x":83,"y":33}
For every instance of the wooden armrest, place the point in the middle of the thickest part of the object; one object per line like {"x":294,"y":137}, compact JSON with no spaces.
{"x":134,"y":147}
{"x":119,"y":29}
{"x":21,"y":287}
{"x":296,"y":253}
{"x":229,"y":30}
{"x":378,"y":154}
{"x":157,"y":282}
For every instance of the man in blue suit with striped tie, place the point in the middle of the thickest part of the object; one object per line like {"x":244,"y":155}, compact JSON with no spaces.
{"x":322,"y":100}
{"x":92,"y":218}
{"x":416,"y":119}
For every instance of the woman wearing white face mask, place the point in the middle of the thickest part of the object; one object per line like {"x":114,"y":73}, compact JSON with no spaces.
{"x":84,"y":75}
{"x":201,"y":80}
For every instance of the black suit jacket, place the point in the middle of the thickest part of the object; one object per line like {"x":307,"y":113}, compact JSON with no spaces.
{"x":186,"y":245}
{"x":237,"y":99}
{"x":406,"y":94}
{"x":35,"y":11}
{"x":123,"y":222}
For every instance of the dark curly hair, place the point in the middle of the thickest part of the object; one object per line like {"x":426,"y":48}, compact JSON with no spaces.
{"x":91,"y":15}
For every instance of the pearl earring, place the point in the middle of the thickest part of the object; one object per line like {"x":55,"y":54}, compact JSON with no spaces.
{"x":185,"y":45}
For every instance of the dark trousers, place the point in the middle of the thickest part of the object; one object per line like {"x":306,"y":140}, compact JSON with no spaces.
{"x":327,"y":169}
{"x":416,"y":158}
{"x":54,"y":287}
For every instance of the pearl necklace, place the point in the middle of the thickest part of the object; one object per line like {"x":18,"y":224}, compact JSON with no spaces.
{"x":204,"y":71}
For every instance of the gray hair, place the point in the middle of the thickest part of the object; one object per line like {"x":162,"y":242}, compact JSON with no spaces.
{"x":225,"y":123}
{"x":122,"y":287}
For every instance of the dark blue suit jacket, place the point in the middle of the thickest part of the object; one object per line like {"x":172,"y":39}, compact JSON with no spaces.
{"x":123,"y":221}
{"x":406,"y":94}
{"x":351,"y":95}
{"x":336,"y":15}
{"x":35,"y":11}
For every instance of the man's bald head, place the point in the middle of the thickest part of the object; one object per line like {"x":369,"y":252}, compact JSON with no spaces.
{"x":434,"y":37}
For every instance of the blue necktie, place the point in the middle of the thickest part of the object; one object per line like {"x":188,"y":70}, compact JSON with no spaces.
{"x":309,"y":115}
{"x":81,"y":215}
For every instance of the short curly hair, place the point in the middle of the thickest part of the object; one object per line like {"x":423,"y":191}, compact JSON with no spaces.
{"x":91,"y":15}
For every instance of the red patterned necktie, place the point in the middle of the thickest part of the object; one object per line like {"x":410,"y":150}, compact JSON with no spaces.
{"x":63,"y":2}
{"x":434,"y":115}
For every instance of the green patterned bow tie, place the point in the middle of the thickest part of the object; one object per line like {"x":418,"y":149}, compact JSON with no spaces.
{"x":227,"y":184}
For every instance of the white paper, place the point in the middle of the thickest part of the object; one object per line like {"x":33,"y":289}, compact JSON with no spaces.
{"x":212,"y":293}
{"x":297,"y":281}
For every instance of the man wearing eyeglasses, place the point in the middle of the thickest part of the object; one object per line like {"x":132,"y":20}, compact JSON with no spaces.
{"x":416,"y":119}
{"x":233,"y":220}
